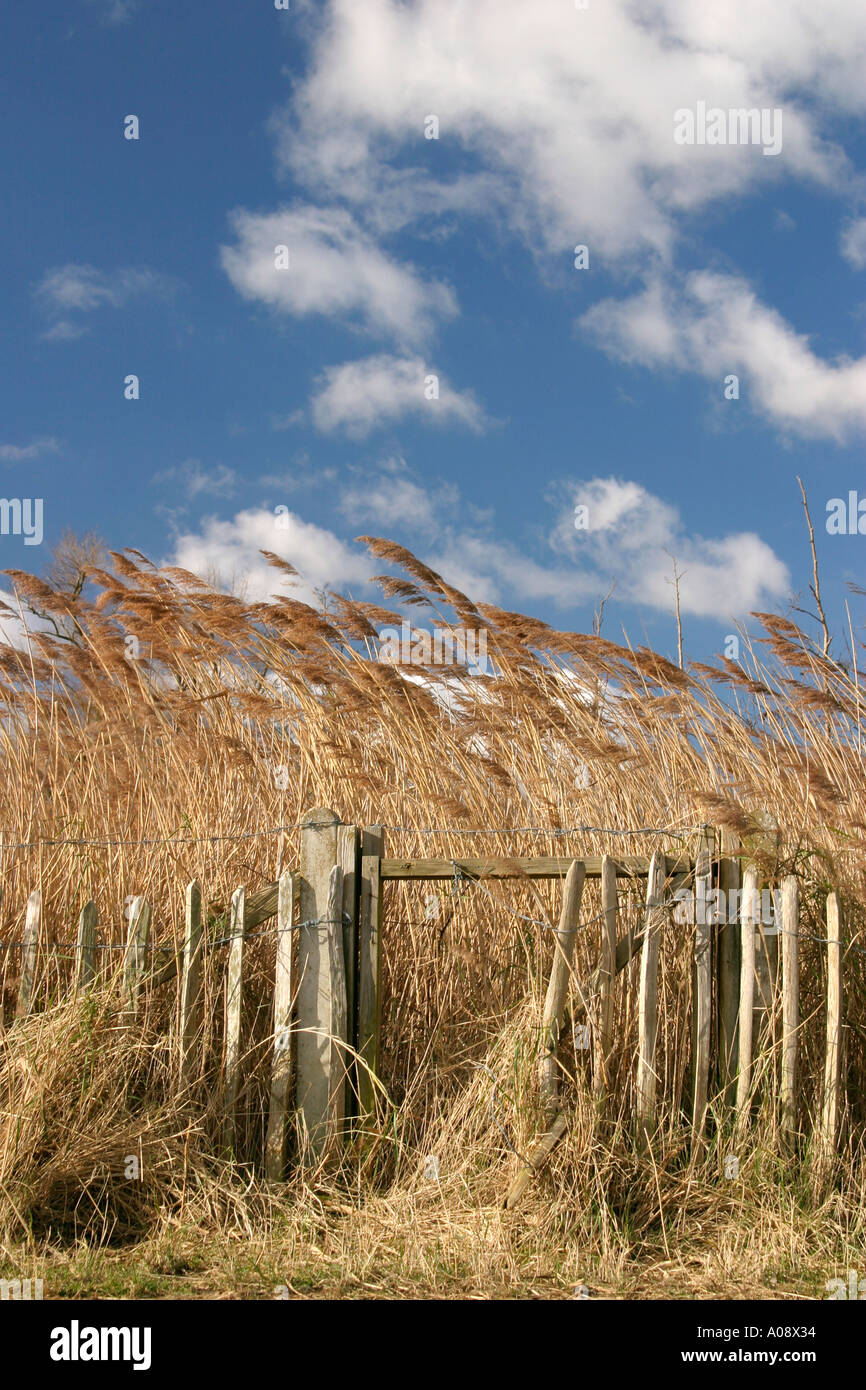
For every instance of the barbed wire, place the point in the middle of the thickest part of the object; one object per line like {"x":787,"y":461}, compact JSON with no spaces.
{"x":345,"y":920}
{"x":676,"y":832}
{"x":461,"y":877}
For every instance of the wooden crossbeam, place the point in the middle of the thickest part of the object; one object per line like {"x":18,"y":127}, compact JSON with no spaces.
{"x":626,"y":866}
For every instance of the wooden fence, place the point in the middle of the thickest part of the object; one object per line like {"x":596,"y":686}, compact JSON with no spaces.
{"x":327,"y":995}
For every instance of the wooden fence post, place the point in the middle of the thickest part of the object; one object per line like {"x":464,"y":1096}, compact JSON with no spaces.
{"x":648,"y":1002}
{"x":369,"y":1004}
{"x":348,"y":851}
{"x":29,"y":955}
{"x":557,"y":990}
{"x":338,"y":1023}
{"x":320,"y":950}
{"x":234,"y":1016}
{"x":702,"y":984}
{"x":135,"y":955}
{"x":281,"y":1066}
{"x":829,"y":1124}
{"x":790,"y":1004}
{"x":607,"y":969}
{"x":750,"y":908}
{"x":728,"y":972}
{"x":191,"y":986}
{"x":85,"y":947}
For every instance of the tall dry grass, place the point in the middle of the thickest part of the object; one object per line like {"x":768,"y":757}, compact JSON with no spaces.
{"x":166,"y":719}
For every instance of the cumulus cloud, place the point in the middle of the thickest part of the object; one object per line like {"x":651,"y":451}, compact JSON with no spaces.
{"x":334,"y":268}
{"x":228,"y":551}
{"x":565,"y":116}
{"x":560,"y":144}
{"x":361,"y":396}
{"x":715,"y":325}
{"x":633,"y":536}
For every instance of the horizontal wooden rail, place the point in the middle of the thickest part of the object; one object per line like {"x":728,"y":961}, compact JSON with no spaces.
{"x":628,"y":866}
{"x":262,"y":903}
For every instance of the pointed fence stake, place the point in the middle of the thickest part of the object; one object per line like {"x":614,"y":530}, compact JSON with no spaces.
{"x":750,"y":913}
{"x":85,"y":947}
{"x":281,"y":1066}
{"x":135,"y":955}
{"x":191,"y":987}
{"x":29,"y":955}
{"x":830,"y":1109}
{"x":648,"y":1004}
{"x":557,"y":990}
{"x":234,"y":1015}
{"x":790,"y":1005}
{"x":702,"y":985}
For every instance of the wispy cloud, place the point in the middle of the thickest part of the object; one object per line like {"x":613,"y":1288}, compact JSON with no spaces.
{"x":81,"y":289}
{"x":389,"y":496}
{"x":192,"y":480}
{"x":20,"y":453}
{"x":116,"y":12}
{"x":853,"y":243}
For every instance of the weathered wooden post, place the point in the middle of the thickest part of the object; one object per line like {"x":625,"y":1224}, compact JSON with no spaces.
{"x":348,"y":858}
{"x":790,"y":928}
{"x":750,"y":910}
{"x":234,"y":1016}
{"x":648,"y":1003}
{"x":191,"y":987}
{"x":321,"y":1044}
{"x":728,"y":973}
{"x":603,"y":1039}
{"x":135,"y":956}
{"x":702,"y":980}
{"x":85,"y":947}
{"x":368,"y":995}
{"x":825,"y":1152}
{"x":557,"y":990}
{"x":29,"y":955}
{"x":281,"y":1066}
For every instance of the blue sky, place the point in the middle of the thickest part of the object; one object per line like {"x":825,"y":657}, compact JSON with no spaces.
{"x":303,"y":388}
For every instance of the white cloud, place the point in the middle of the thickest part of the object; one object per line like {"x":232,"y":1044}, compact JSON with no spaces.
{"x":632,"y":538}
{"x":288,"y":421}
{"x":335,"y":269}
{"x":193,"y":480}
{"x":16,"y":621}
{"x":361,"y":396}
{"x":853,"y":243}
{"x":564,"y":116}
{"x":64,"y":331}
{"x":561,"y":144}
{"x":715,"y":325}
{"x":20,"y":453}
{"x":389,"y":496}
{"x":231,"y":549}
{"x":116,"y":12}
{"x":75,"y":288}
